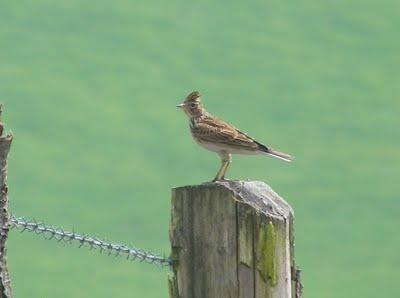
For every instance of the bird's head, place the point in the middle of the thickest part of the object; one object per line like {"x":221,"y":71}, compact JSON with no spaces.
{"x":192,"y":105}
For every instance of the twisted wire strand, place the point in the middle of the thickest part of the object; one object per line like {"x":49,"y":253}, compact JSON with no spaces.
{"x":93,"y":243}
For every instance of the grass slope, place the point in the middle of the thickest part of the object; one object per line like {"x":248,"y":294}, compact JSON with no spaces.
{"x":90,"y":91}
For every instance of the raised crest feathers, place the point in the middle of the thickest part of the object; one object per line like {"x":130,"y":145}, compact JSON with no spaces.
{"x":195,"y":95}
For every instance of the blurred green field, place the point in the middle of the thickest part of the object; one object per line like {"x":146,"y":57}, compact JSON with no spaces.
{"x":90,"y":90}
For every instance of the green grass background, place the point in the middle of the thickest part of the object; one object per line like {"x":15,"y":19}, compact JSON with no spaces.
{"x":90,"y":90}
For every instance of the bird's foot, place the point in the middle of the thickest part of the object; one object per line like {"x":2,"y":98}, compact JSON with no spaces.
{"x":220,"y":180}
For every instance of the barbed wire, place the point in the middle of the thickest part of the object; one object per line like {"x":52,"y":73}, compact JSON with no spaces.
{"x":93,"y":243}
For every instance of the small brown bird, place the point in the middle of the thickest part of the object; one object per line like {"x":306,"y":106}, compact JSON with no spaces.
{"x":218,"y":136}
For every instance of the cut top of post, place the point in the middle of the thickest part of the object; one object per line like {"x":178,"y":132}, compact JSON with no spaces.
{"x":257,"y":194}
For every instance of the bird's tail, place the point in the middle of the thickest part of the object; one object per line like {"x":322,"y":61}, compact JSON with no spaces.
{"x":280,"y":155}
{"x":277,"y":154}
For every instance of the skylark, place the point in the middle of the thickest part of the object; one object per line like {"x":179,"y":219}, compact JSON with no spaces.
{"x":218,"y":136}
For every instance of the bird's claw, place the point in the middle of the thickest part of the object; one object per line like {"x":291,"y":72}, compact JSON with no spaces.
{"x":220,"y":180}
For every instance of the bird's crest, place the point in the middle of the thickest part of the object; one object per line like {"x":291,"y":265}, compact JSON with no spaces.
{"x":193,"y":96}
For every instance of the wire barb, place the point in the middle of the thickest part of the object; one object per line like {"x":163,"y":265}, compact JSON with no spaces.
{"x":93,"y":243}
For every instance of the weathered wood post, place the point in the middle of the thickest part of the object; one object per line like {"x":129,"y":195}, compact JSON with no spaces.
{"x":5,"y":143}
{"x":232,"y":239}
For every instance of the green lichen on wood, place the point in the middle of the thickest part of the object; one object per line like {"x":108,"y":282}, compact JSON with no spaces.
{"x":175,"y":252}
{"x":173,"y":286}
{"x":175,"y":215}
{"x":267,"y":260}
{"x":245,"y":253}
{"x":175,"y":226}
{"x":245,"y":234}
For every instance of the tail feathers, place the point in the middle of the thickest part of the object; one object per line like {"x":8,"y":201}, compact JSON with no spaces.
{"x":277,"y":154}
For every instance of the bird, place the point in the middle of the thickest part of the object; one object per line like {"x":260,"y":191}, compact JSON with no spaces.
{"x":221,"y":137}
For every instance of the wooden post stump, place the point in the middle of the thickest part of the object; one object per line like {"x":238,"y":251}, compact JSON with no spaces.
{"x":5,"y":143}
{"x":232,"y":239}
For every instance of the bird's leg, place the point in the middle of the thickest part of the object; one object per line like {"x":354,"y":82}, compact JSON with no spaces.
{"x":225,"y":161}
{"x":218,"y":176}
{"x":228,"y":160}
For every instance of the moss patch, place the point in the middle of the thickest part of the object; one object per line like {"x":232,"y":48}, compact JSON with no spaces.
{"x":175,"y":252}
{"x":173,"y":286}
{"x":267,"y":257}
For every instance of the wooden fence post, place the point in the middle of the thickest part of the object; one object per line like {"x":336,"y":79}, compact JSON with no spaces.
{"x":5,"y":143}
{"x":232,"y":239}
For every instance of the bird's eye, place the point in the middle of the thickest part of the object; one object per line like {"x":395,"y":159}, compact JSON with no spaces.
{"x":193,"y":105}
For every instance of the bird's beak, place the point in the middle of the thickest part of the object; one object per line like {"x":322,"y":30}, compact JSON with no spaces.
{"x":180,"y":105}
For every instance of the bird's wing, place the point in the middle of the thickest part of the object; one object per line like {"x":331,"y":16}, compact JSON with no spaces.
{"x":219,"y":132}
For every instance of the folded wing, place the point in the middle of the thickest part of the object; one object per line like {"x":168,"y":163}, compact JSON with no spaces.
{"x":219,"y":132}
